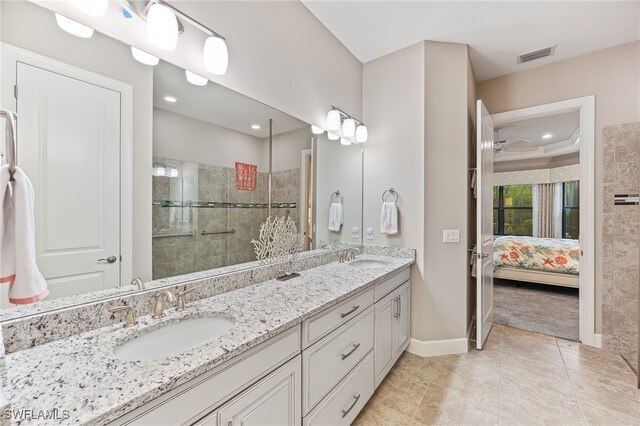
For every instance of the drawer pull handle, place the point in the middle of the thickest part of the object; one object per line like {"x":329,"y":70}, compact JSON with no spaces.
{"x":398,"y":308}
{"x":353,"y":404}
{"x":355,"y":347}
{"x":353,"y":309}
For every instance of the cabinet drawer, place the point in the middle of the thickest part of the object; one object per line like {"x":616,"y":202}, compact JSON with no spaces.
{"x":385,"y":287}
{"x":316,"y":327}
{"x":328,"y":361}
{"x":343,"y":404}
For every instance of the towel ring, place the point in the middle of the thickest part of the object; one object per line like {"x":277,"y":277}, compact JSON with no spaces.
{"x":392,"y":192}
{"x":11,"y":141}
{"x":336,"y":194}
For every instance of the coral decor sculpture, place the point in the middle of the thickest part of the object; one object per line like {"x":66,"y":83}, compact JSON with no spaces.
{"x":279,"y":245}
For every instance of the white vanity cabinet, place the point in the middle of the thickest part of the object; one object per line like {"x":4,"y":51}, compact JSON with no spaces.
{"x":274,"y":400}
{"x":392,"y":325}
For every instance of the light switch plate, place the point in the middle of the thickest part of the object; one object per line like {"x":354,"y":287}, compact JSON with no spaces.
{"x":355,"y":232}
{"x":369,"y":233}
{"x":451,"y":236}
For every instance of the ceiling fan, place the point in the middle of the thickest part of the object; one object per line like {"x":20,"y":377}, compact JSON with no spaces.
{"x":518,"y":145}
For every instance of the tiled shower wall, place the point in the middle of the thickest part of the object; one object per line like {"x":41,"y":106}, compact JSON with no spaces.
{"x":197,"y":182}
{"x":621,"y":228}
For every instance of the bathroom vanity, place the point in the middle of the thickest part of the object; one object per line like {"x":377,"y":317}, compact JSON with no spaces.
{"x":308,"y":351}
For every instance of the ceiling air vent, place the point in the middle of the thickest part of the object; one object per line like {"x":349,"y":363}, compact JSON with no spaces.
{"x":532,"y":56}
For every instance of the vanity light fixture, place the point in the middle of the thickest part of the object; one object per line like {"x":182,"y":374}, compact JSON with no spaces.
{"x":547,"y":136}
{"x":173,"y":172}
{"x":333,"y":119}
{"x":144,"y":57}
{"x":348,"y":128}
{"x":195,"y":79}
{"x":332,"y":136}
{"x":336,"y":116}
{"x":255,"y":126}
{"x":316,"y":130}
{"x":96,"y":8}
{"x":362,"y":134}
{"x":165,"y":24}
{"x":171,"y":99}
{"x":73,"y":27}
{"x":162,"y":27}
{"x":216,"y":55}
{"x":344,"y":141}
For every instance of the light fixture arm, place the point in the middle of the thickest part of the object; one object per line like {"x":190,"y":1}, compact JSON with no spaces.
{"x":142,"y":14}
{"x":344,"y":116}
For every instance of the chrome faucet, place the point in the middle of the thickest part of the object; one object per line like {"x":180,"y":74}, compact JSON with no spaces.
{"x":349,"y":254}
{"x":161,"y":299}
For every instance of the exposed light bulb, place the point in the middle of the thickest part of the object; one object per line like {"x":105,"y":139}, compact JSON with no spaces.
{"x":362,"y":134}
{"x":162,"y":27}
{"x":333,"y":120}
{"x":160,"y":171}
{"x":144,"y":57}
{"x":173,"y":172}
{"x":316,"y":130}
{"x":73,"y":27}
{"x":171,"y":99}
{"x":332,"y":137}
{"x":348,"y":128}
{"x":96,"y":8}
{"x":344,"y":141}
{"x":195,"y":79}
{"x":216,"y":55}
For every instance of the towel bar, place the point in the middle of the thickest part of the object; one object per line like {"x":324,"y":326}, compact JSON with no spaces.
{"x":231,"y":231}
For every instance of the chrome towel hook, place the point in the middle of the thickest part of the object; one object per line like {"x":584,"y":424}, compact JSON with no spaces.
{"x":392,"y":192}
{"x":338,"y":196}
{"x":10,"y":132}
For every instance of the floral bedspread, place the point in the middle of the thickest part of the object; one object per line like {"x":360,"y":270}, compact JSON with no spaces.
{"x":540,"y":254}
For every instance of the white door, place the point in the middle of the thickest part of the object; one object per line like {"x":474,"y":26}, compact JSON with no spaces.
{"x":69,"y":146}
{"x":484,"y":225}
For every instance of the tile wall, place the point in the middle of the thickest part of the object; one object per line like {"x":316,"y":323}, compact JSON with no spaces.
{"x":621,"y":243}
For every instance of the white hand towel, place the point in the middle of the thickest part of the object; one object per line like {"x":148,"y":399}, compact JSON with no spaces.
{"x":17,"y":240}
{"x":389,"y":218}
{"x":336,"y":217}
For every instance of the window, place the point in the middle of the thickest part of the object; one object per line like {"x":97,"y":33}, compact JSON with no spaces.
{"x":571,"y":209}
{"x":513,"y":210}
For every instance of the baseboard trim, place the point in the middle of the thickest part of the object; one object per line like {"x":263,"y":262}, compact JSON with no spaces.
{"x":438,"y":347}
{"x":597,"y":341}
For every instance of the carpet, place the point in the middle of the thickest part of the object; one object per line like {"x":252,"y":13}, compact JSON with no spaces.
{"x":539,"y":308}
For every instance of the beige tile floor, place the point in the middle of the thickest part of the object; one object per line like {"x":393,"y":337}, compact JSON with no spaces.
{"x":519,"y":378}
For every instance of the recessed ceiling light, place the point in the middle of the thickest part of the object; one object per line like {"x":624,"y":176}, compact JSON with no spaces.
{"x":255,"y":126}
{"x":171,"y":99}
{"x":547,"y":136}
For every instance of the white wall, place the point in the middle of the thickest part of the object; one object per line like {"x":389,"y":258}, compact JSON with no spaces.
{"x":279,"y":53}
{"x":393,"y":108}
{"x":288,"y":147}
{"x":183,"y":138}
{"x":32,"y":28}
{"x":557,"y":174}
{"x":338,"y":167}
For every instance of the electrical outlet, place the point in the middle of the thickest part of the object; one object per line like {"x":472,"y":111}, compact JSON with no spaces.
{"x":369,"y":233}
{"x":451,"y":236}
{"x":355,"y":232}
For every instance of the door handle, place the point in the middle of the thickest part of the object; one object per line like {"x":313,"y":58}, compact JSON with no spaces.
{"x":482,"y":256}
{"x":397,"y":301}
{"x":110,"y":259}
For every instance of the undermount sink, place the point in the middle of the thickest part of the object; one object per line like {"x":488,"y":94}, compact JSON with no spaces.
{"x":367,"y":263}
{"x":174,"y":338}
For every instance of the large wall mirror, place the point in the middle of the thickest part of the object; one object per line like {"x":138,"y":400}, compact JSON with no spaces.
{"x":147,"y":171}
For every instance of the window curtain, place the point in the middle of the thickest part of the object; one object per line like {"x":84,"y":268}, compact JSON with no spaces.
{"x":547,"y":210}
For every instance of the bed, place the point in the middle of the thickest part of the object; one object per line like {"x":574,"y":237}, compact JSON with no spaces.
{"x":537,"y":260}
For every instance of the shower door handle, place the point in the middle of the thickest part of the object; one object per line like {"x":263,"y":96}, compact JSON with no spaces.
{"x":110,"y":259}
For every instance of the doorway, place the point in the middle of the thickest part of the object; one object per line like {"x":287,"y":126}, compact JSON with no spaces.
{"x":564,"y":208}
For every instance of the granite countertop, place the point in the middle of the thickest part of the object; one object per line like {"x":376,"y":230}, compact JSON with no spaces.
{"x":81,"y":375}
